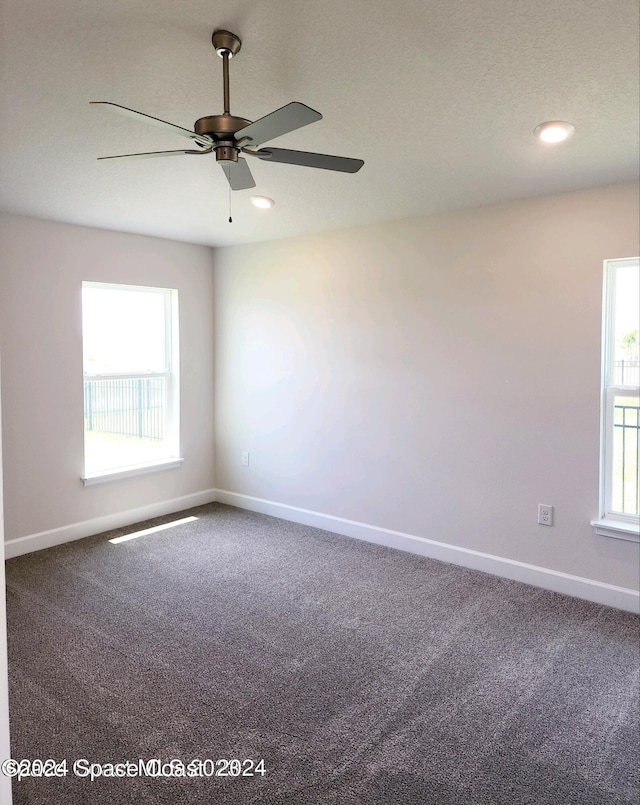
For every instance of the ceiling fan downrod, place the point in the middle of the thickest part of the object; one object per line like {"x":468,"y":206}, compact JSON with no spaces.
{"x":226,"y":46}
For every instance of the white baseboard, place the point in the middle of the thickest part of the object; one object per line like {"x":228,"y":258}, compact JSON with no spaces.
{"x":588,"y":589}
{"x":87,"y":528}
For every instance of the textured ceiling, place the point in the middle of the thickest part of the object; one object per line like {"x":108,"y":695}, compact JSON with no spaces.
{"x":439,"y":97}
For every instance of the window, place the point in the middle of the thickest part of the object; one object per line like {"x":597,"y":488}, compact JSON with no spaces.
{"x":130,"y":356}
{"x":619,"y":504}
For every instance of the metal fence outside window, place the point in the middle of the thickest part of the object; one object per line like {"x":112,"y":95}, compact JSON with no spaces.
{"x":626,"y":373}
{"x":126,"y":406}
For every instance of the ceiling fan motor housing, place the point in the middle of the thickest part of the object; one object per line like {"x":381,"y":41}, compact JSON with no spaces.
{"x":222,"y":128}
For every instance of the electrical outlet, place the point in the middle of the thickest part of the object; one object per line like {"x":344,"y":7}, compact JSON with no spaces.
{"x":545,"y":514}
{"x":245,"y":459}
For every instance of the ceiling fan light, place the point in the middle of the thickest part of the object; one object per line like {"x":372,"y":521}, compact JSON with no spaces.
{"x":554,"y":131}
{"x":262,"y":202}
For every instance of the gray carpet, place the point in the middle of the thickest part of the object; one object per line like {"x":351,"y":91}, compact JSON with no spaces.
{"x":359,"y":673}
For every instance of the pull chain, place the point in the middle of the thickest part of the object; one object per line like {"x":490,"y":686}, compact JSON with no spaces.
{"x":230,"y":218}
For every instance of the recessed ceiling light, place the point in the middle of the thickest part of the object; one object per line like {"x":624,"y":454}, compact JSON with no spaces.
{"x":554,"y":131}
{"x":262,"y":202}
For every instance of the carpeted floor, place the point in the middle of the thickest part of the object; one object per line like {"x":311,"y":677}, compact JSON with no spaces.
{"x":358,"y":673}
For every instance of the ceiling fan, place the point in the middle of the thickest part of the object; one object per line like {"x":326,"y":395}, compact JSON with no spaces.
{"x":229,"y":136}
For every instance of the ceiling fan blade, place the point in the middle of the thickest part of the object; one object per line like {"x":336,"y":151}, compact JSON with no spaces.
{"x":201,"y":139}
{"x":311,"y":160}
{"x":151,"y":154}
{"x":238,"y":174}
{"x":288,"y":118}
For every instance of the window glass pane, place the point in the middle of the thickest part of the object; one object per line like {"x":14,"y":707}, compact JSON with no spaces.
{"x":124,"y":421}
{"x":129,"y":419}
{"x":123,"y":330}
{"x":626,"y":318}
{"x":625,"y":492}
{"x":620,"y":490}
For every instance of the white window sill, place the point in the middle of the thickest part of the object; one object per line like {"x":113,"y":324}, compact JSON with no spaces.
{"x":104,"y":476}
{"x":617,"y":529}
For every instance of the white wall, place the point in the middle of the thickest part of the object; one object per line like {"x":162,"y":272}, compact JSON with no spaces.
{"x":42,"y":268}
{"x":435,"y":376}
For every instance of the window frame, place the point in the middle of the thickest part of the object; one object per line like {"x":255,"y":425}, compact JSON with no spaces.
{"x":172,"y":388}
{"x":612,"y":523}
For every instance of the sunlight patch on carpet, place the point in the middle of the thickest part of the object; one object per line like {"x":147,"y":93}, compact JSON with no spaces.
{"x":146,"y":531}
